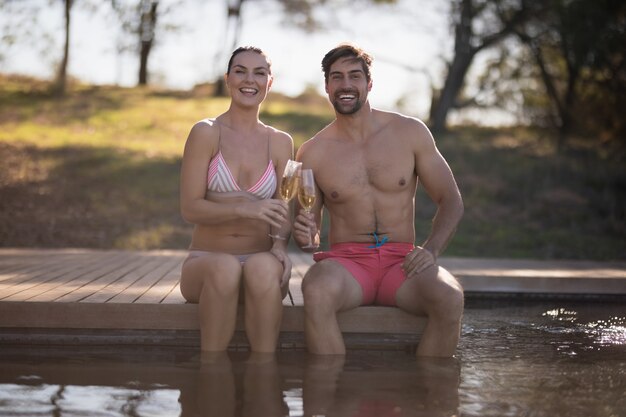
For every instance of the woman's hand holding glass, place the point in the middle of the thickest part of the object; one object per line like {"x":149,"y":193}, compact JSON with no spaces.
{"x":306,"y":197}
{"x":289,"y":185}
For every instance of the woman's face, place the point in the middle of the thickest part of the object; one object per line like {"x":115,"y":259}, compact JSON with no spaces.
{"x":249,"y":79}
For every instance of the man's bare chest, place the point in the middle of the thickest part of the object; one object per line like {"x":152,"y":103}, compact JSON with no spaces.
{"x":352,"y":172}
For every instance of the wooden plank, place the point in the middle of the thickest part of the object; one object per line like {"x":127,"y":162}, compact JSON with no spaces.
{"x":540,"y":285}
{"x":81,"y":292}
{"x":383,"y":320}
{"x":10,"y":258}
{"x":66,"y":284}
{"x":30,"y":268}
{"x":98,"y":316}
{"x":175,"y":296}
{"x":35,"y":276}
{"x":529,"y":268}
{"x":116,"y":287}
{"x":56,"y":277}
{"x":139,"y":287}
{"x":163,"y":286}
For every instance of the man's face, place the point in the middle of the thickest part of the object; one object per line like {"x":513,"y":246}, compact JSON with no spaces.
{"x":347,"y":86}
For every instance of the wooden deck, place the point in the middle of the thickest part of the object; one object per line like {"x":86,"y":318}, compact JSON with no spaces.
{"x":114,"y":296}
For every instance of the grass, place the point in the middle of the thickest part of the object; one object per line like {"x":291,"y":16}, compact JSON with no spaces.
{"x":99,"y":169}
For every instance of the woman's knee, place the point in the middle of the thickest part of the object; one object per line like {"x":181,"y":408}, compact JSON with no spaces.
{"x":262,"y":273}
{"x":219,"y":274}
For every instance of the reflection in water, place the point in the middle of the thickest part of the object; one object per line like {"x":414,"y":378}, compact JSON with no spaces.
{"x":251,"y":387}
{"x":428,"y":387}
{"x":514,"y":359}
{"x":261,"y":386}
{"x":369,"y":384}
{"x":91,"y":400}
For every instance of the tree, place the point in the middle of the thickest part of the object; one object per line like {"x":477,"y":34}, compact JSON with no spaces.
{"x":140,"y":20}
{"x":478,"y":25}
{"x":60,"y":82}
{"x":231,"y":40}
{"x":146,"y":30}
{"x":577,"y":47}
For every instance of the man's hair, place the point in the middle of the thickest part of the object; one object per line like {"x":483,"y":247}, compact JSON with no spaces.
{"x":347,"y":50}
{"x":248,"y":49}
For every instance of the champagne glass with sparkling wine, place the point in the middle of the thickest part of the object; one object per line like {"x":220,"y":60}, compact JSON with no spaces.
{"x":289,"y":185}
{"x":306,"y":196}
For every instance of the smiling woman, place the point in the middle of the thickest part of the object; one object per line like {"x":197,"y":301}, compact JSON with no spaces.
{"x":228,"y":192}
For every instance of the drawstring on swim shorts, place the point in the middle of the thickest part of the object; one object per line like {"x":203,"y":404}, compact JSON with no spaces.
{"x":380,"y":242}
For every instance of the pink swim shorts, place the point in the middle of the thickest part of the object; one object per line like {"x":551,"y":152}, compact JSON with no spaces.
{"x":377,"y":269}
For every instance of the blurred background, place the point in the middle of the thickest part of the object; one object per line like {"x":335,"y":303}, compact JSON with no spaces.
{"x":525,"y":99}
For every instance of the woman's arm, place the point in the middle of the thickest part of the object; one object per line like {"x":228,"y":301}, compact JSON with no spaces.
{"x":282,"y":151}
{"x":195,"y":208}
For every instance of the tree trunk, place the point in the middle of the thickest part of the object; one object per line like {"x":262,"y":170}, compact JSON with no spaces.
{"x":466,"y":45}
{"x":233,"y":25}
{"x":60,"y":83}
{"x":146,"y":34}
{"x":463,"y":55}
{"x":453,"y":84}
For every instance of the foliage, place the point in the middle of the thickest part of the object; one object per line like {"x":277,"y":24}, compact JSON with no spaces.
{"x":578,"y":81}
{"x":99,"y":168}
{"x":478,"y":25}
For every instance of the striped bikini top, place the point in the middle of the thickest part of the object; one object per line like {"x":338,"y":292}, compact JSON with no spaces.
{"x":220,"y":178}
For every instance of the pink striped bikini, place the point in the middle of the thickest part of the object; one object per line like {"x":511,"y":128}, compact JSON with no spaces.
{"x":220,"y":178}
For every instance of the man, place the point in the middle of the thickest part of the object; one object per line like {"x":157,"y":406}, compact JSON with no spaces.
{"x":367,"y":164}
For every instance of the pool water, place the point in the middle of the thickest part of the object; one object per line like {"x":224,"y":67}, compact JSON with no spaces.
{"x":515,"y":358}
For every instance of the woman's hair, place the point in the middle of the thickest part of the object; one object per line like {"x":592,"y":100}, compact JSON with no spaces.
{"x":247,"y":49}
{"x":347,"y":50}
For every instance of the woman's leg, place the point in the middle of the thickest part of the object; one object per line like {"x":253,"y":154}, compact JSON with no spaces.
{"x":263,"y":301}
{"x":212,"y":280}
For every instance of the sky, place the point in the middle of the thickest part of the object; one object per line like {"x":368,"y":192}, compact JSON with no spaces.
{"x":413,"y":34}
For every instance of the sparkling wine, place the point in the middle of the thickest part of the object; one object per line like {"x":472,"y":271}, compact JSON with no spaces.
{"x":306,"y":198}
{"x":289,"y":187}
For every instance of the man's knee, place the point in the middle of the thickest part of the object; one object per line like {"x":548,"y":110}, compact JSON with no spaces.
{"x":320,"y":286}
{"x":448,"y":303}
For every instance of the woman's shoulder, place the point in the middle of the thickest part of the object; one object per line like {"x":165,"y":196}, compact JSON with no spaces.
{"x":205,"y":125}
{"x":204,"y":129}
{"x":279,"y":136}
{"x":277,"y":133}
{"x":204,"y":134}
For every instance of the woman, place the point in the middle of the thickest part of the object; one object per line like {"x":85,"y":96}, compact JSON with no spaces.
{"x":229,"y":192}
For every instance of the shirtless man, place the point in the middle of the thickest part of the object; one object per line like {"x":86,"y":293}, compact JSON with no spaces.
{"x":367,"y":163}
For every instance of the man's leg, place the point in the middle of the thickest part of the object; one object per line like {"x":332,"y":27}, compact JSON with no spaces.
{"x":436,"y":293}
{"x":327,"y":288}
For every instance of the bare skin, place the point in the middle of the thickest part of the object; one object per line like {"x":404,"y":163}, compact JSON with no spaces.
{"x":367,"y":164}
{"x":235,"y":223}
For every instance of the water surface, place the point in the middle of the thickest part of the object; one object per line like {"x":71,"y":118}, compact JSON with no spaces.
{"x":515,"y":358}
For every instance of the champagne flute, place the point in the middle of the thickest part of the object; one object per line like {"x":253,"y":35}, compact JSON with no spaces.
{"x":289,"y":185}
{"x":306,"y":196}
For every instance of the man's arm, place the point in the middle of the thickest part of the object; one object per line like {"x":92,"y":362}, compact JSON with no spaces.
{"x":308,"y":223}
{"x":436,"y":176}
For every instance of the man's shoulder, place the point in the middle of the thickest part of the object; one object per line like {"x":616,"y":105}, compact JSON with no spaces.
{"x":399,"y":119}
{"x":406,"y":128}
{"x":320,"y":137}
{"x":315,"y":148}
